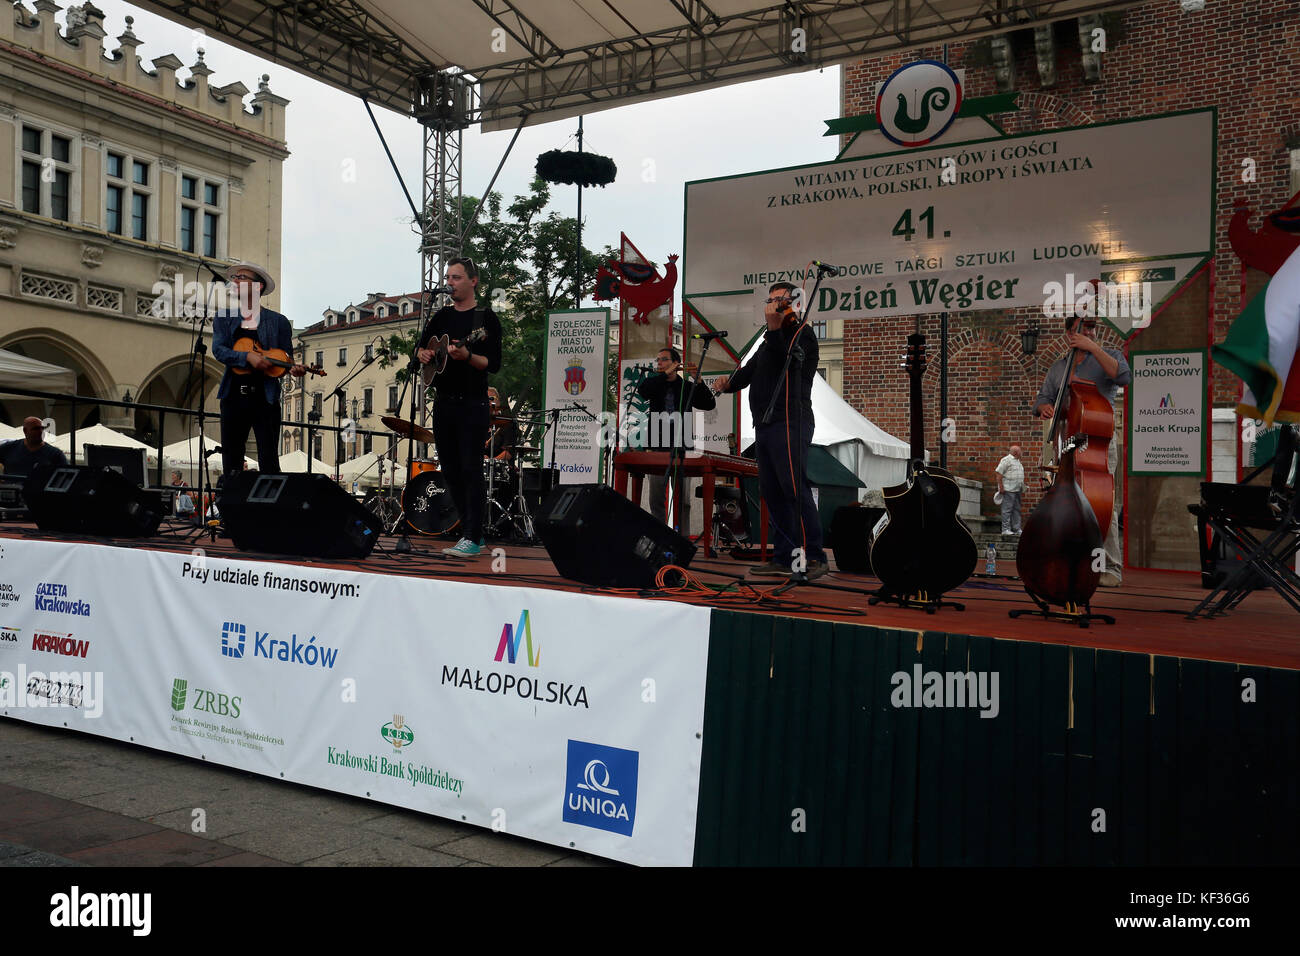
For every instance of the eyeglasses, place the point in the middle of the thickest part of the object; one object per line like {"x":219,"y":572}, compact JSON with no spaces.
{"x":243,"y":278}
{"x":777,"y":298}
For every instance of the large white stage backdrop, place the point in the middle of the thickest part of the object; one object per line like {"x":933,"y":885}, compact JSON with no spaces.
{"x":571,"y":719}
{"x":962,"y":226}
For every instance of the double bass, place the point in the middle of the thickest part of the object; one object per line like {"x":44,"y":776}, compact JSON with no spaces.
{"x":1060,"y":558}
{"x":920,"y":549}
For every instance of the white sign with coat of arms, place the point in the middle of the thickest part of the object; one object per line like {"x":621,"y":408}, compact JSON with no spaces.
{"x":577,"y":357}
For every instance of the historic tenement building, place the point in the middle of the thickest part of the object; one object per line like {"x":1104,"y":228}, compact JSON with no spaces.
{"x":1241,"y":57}
{"x":115,"y":175}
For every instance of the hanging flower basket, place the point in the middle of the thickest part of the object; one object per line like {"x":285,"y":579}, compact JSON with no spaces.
{"x":576,"y":169}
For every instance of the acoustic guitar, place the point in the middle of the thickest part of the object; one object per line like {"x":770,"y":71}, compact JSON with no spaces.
{"x":440,"y":346}
{"x":278,"y":360}
{"x":920,"y":549}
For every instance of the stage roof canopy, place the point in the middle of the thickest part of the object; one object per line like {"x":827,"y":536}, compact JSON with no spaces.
{"x":541,"y":60}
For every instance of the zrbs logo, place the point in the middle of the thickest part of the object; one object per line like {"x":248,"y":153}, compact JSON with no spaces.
{"x":208,"y":701}
{"x":179,"y":689}
{"x":600,"y":787}
{"x":523,"y":633}
{"x":230,"y":631}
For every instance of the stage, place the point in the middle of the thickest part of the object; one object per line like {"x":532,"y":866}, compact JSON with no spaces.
{"x":816,"y":728}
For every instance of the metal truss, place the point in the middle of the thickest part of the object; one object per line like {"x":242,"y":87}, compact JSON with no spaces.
{"x":345,"y":43}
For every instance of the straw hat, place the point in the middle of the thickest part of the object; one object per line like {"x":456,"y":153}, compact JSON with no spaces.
{"x":268,"y":284}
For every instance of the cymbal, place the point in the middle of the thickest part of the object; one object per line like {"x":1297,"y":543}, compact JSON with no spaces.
{"x":525,"y":449}
{"x":405,"y":428}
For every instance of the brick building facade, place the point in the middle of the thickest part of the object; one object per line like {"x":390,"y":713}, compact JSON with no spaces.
{"x":1241,"y":56}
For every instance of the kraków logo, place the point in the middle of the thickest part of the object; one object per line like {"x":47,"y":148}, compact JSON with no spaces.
{"x":64,"y":644}
{"x":600,"y":787}
{"x":292,"y":651}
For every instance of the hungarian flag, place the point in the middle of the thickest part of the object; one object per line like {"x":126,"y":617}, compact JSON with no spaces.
{"x":1261,"y":348}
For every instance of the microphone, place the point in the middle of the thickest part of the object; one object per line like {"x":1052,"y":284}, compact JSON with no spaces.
{"x":211,"y":452}
{"x":825,"y":268}
{"x":440,"y":290}
{"x":708,"y":336}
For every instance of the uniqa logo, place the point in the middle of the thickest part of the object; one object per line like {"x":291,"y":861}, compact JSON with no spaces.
{"x":591,"y":797}
{"x":397,"y":733}
{"x":918,"y":103}
{"x":232,"y":639}
{"x":510,"y":641}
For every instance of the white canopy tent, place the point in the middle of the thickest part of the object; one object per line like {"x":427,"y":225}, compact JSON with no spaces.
{"x":371,"y":469}
{"x":184,"y":455}
{"x":296,"y":461}
{"x":10,"y":432}
{"x":875,"y":456}
{"x":100,"y":435}
{"x":23,"y":372}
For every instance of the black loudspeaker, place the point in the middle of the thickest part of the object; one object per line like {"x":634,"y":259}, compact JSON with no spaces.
{"x":90,"y":501}
{"x":306,"y":515}
{"x":596,"y":536}
{"x":850,"y":537}
{"x":131,"y":463}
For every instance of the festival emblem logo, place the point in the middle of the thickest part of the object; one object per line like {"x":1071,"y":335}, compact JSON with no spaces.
{"x":575,"y":377}
{"x":918,"y":103}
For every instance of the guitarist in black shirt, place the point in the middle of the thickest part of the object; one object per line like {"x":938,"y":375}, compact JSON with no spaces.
{"x":460,"y":411}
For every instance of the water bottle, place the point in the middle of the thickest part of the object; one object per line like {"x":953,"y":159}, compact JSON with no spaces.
{"x":991,"y":559}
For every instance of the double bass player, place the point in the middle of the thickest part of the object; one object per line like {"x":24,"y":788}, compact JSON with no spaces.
{"x":1108,"y":370}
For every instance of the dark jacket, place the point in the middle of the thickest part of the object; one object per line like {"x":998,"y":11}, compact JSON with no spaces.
{"x":762,"y":373}
{"x":655,"y":390}
{"x":460,"y":378}
{"x":273,"y":332}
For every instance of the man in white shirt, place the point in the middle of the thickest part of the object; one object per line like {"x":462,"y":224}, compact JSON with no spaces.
{"x":1011,"y":482}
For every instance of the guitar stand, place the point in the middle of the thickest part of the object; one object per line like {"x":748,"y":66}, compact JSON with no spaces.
{"x":1072,"y":613}
{"x":919,"y":601}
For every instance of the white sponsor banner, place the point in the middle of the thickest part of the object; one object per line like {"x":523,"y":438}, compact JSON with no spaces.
{"x":1168,"y":401}
{"x":577,"y":352}
{"x":964,"y":226}
{"x":570,"y":719}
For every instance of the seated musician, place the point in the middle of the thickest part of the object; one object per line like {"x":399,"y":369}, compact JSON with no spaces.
{"x":21,"y":456}
{"x":250,"y":401}
{"x":666,"y":393}
{"x":504,"y":433}
{"x":1108,"y":370}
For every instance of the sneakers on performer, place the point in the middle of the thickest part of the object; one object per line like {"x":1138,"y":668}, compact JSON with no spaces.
{"x":1008,"y":533}
{"x":464,"y":548}
{"x":815,"y":570}
{"x":769,"y":569}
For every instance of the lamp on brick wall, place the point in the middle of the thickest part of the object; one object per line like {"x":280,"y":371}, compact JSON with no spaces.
{"x":1029,"y":338}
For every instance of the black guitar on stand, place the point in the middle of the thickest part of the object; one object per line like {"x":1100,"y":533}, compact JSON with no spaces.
{"x":920,"y":549}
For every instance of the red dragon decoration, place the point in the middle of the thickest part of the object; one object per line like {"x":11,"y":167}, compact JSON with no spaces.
{"x":640,"y":286}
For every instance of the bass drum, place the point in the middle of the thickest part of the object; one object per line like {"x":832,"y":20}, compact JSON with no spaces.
{"x":428,"y":505}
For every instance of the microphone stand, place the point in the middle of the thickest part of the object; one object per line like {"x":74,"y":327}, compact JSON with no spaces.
{"x":201,"y":351}
{"x":339,"y":394}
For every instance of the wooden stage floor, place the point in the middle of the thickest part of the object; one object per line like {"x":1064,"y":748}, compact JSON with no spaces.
{"x":1150,"y":608}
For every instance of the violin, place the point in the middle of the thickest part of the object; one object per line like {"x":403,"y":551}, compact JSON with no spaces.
{"x":278,"y":360}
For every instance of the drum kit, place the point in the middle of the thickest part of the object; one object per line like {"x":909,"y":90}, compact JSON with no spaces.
{"x":426,"y":503}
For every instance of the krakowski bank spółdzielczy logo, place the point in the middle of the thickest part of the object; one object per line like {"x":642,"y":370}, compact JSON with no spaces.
{"x":234,"y":640}
{"x":600,"y":787}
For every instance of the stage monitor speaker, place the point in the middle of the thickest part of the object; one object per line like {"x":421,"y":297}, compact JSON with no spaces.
{"x":300,"y":514}
{"x":130,"y":463}
{"x":596,"y":536}
{"x":850,"y":537}
{"x":92,"y":501}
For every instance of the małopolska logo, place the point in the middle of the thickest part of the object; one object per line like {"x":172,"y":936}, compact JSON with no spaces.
{"x":397,"y":733}
{"x":918,"y":102}
{"x":600,"y":787}
{"x":509,"y":644}
{"x":9,"y":636}
{"x":232,"y":639}
{"x":52,"y":596}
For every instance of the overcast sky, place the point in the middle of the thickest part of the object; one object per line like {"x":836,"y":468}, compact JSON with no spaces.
{"x":342,"y":240}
